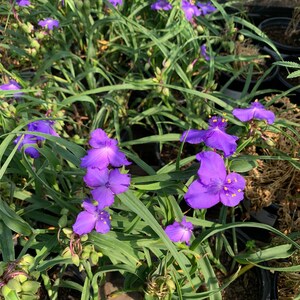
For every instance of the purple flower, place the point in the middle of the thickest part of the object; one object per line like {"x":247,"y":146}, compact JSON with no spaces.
{"x":28,"y":139}
{"x":106,"y":184}
{"x":23,"y":2}
{"x":43,"y":126}
{"x":92,"y":217}
{"x":180,"y":231}
{"x":190,"y":10}
{"x":49,"y":23}
{"x":255,"y":111}
{"x":214,"y":137}
{"x":105,"y":151}
{"x":206,"y":8}
{"x":203,"y":52}
{"x":214,"y":185}
{"x":161,"y":4}
{"x":115,"y":2}
{"x":11,"y":86}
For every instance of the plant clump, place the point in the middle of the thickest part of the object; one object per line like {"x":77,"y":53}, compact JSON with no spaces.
{"x":276,"y":181}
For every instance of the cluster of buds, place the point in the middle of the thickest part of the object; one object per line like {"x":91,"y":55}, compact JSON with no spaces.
{"x":16,"y":279}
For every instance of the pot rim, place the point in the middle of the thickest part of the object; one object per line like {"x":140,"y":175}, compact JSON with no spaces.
{"x":283,"y":21}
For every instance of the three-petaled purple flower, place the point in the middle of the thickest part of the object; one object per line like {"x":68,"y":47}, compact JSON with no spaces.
{"x":12,"y":85}
{"x":105,"y":151}
{"x":23,"y":2}
{"x":161,"y":4}
{"x":92,"y":217}
{"x":106,"y":184}
{"x":255,"y":111}
{"x":206,"y":8}
{"x":214,"y":185}
{"x":116,"y":2}
{"x":214,"y":137}
{"x":49,"y":23}
{"x":42,"y":126}
{"x":190,"y":10}
{"x":203,"y":52}
{"x":180,"y":231}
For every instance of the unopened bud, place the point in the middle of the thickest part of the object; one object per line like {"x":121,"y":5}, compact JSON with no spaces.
{"x":166,"y":92}
{"x":189,"y":68}
{"x":241,"y":38}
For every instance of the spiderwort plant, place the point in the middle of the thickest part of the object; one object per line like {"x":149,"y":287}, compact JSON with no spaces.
{"x":103,"y":78}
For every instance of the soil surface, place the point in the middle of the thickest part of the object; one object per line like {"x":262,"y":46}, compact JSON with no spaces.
{"x":277,"y":34}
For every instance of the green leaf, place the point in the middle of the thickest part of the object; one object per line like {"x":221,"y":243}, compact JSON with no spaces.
{"x":6,"y":243}
{"x":277,"y":252}
{"x":135,"y":205}
{"x":242,"y":166}
{"x":14,"y":221}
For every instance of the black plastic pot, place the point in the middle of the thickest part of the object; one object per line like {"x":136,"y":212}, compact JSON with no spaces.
{"x":290,"y":83}
{"x":271,"y":26}
{"x":238,"y":85}
{"x":266,"y":282}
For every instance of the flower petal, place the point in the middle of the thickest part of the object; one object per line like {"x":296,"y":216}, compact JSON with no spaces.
{"x":199,"y":196}
{"x":95,"y":177}
{"x":230,"y":199}
{"x":95,"y":158}
{"x":193,"y":136}
{"x":243,"y":115}
{"x":118,"y":182}
{"x":220,"y":140}
{"x":99,"y":139}
{"x":118,"y":159}
{"x":104,"y":196}
{"x":232,"y":192}
{"x":212,"y":167}
{"x":103,"y":222}
{"x":264,"y":114}
{"x":89,"y":206}
{"x":85,"y":223}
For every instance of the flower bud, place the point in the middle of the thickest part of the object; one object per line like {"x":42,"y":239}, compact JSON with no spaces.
{"x":30,"y":286}
{"x":158,"y":89}
{"x":189,"y":68}
{"x":147,"y":66}
{"x":67,"y":252}
{"x":67,"y":232}
{"x":14,"y":285}
{"x":166,"y":92}
{"x":75,"y":260}
{"x":5,"y":291}
{"x":35,"y":44}
{"x":62,"y":222}
{"x":94,"y":258}
{"x":241,"y":38}
{"x":200,"y":29}
{"x":167,"y":63}
{"x":84,"y":238}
